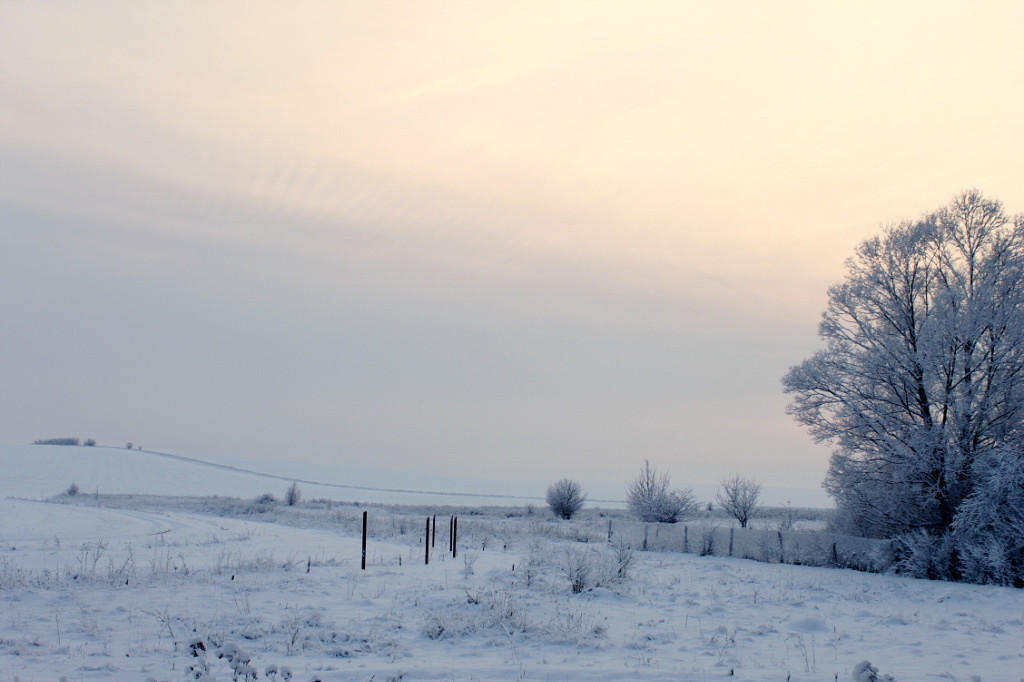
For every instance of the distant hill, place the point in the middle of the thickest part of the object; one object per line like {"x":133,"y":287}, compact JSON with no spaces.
{"x":42,"y":471}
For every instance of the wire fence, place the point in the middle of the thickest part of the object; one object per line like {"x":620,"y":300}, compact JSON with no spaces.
{"x":810,"y":548}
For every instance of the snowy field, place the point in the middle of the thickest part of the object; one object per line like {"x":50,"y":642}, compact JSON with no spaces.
{"x":124,"y":587}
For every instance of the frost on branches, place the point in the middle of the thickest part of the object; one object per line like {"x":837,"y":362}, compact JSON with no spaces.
{"x":920,"y":386}
{"x":650,"y":498}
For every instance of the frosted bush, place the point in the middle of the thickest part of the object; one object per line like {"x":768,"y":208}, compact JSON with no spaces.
{"x":625,"y":559}
{"x":987,"y":531}
{"x":650,"y":499}
{"x":706,"y":541}
{"x":924,"y":555}
{"x":865,"y":672}
{"x":578,"y":566}
{"x":565,"y":498}
{"x":498,"y":610}
{"x":468,"y":564}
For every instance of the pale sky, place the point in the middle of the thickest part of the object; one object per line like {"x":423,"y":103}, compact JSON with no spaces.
{"x":509,"y":240}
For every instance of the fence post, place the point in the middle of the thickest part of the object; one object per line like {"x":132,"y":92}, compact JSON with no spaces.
{"x":364,"y":542}
{"x":455,"y":537}
{"x":782,"y":550}
{"x":835,"y":554}
{"x":609,"y":530}
{"x":646,"y":528}
{"x":686,"y":539}
{"x":426,"y":545}
{"x":433,"y":533}
{"x":732,"y":533}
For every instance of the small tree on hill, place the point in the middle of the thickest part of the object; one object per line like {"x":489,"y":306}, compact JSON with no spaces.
{"x":739,"y":496}
{"x":650,"y":499}
{"x":565,"y":498}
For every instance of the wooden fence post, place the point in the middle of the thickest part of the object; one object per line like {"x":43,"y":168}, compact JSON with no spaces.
{"x":455,"y":537}
{"x":364,"y":542}
{"x":433,"y":533}
{"x":426,"y":545}
{"x":686,"y":539}
{"x":646,"y":528}
{"x":732,"y":533}
{"x":782,"y":550}
{"x":609,"y":530}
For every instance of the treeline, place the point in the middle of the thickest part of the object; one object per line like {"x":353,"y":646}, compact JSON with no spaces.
{"x":64,"y":441}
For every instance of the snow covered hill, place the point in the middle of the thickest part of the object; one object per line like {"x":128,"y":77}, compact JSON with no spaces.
{"x":41,"y":471}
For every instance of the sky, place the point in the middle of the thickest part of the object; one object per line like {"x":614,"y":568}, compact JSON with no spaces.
{"x":502,"y":240}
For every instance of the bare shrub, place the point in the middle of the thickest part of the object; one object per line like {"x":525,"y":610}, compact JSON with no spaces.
{"x":788,"y":519}
{"x":531,"y":565}
{"x":468,"y":564}
{"x":650,"y":499}
{"x":578,"y":566}
{"x":292,"y":495}
{"x":565,"y":498}
{"x":625,"y":559}
{"x":706,"y":542}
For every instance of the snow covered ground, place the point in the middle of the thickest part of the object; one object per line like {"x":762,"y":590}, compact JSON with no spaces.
{"x":117,"y":588}
{"x":96,"y":593}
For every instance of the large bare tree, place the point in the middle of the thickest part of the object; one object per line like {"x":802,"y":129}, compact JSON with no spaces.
{"x":920,"y":385}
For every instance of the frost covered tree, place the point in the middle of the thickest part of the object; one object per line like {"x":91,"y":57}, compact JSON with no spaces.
{"x":565,"y":498}
{"x":738,"y":497}
{"x":292,"y":495}
{"x":920,"y":385}
{"x":650,"y":498}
